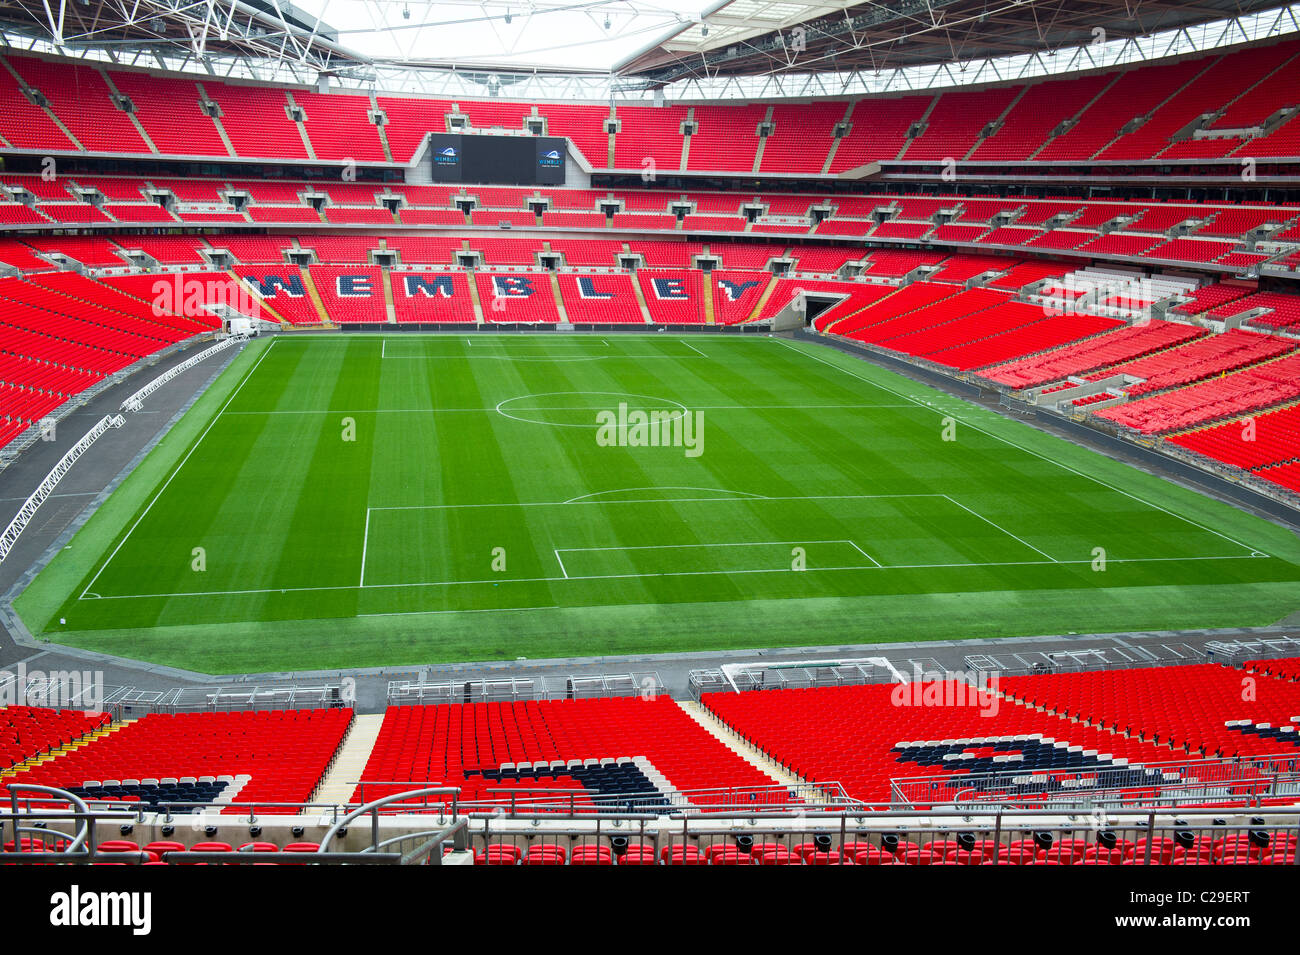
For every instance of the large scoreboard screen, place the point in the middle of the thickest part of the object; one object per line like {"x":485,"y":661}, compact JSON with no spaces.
{"x":508,"y":160}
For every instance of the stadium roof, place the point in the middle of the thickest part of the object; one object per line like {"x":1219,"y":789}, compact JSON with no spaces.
{"x":609,"y":48}
{"x":754,"y":36}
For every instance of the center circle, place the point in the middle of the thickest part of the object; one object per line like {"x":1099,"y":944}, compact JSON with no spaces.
{"x":578,"y":409}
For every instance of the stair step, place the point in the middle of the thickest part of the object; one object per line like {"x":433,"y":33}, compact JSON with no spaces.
{"x":350,"y":763}
{"x":751,"y":754}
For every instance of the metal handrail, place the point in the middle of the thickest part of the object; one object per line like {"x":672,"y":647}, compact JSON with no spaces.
{"x":373,"y":809}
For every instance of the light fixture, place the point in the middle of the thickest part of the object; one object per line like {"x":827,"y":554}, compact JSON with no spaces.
{"x":509,"y":16}
{"x":406,"y":12}
{"x":607,"y":21}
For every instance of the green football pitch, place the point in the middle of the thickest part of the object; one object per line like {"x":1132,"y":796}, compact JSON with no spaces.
{"x":381,"y":500}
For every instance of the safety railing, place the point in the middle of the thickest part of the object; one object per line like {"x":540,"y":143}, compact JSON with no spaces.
{"x":968,"y":834}
{"x":136,"y":401}
{"x":9,"y":537}
{"x":1242,"y":782}
{"x":514,"y":689}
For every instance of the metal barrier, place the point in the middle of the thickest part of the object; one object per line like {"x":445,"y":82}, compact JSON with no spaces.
{"x":1236,"y":652}
{"x":969,"y":834}
{"x":455,"y":831}
{"x":11,"y":451}
{"x":136,"y":401}
{"x":25,"y":513}
{"x":1244,"y":782}
{"x":513,"y":689}
{"x":985,"y":835}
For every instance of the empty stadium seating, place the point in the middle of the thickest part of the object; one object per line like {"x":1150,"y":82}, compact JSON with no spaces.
{"x":1115,"y":347}
{"x":863,"y":737}
{"x":602,"y":748}
{"x":1193,"y":709}
{"x":27,"y":731}
{"x":1265,"y":439}
{"x":267,"y":756}
{"x":1141,"y":113}
{"x":1198,"y":360}
{"x":1269,"y":383}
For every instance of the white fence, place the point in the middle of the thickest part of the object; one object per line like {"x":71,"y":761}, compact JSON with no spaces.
{"x":135,"y":401}
{"x":47,"y":486}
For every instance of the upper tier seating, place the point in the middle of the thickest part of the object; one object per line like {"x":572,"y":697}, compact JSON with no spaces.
{"x":80,"y":97}
{"x":1248,"y":85}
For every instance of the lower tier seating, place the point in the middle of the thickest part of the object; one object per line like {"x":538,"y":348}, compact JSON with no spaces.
{"x":1260,"y":386}
{"x":1257,"y":442}
{"x":865,"y":736}
{"x":264,"y":756}
{"x":594,"y":750}
{"x":27,"y":731}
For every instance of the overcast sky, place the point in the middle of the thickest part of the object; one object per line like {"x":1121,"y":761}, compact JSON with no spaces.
{"x":466,"y":33}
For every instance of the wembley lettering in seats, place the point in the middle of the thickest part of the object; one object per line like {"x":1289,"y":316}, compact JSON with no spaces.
{"x":734,"y":290}
{"x":610,"y":289}
{"x":428,"y":286}
{"x":670,"y":289}
{"x":272,"y":285}
{"x":587,"y":289}
{"x":354,"y":286}
{"x":512,"y":286}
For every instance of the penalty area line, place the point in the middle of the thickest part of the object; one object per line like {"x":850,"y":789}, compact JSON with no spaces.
{"x":688,"y":573}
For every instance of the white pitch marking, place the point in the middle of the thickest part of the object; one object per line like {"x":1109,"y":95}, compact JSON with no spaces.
{"x":473,"y":410}
{"x":687,"y":573}
{"x":667,"y":487}
{"x":652,"y":500}
{"x":997,"y":437}
{"x":864,"y":553}
{"x":365,"y":543}
{"x":561,"y":563}
{"x":177,"y":471}
{"x":1001,"y":528}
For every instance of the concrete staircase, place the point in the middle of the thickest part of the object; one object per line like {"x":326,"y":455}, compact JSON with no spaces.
{"x":350,"y":764}
{"x":750,"y":754}
{"x":33,"y":761}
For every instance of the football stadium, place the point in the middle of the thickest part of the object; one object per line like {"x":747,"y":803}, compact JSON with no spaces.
{"x":536,"y":433}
